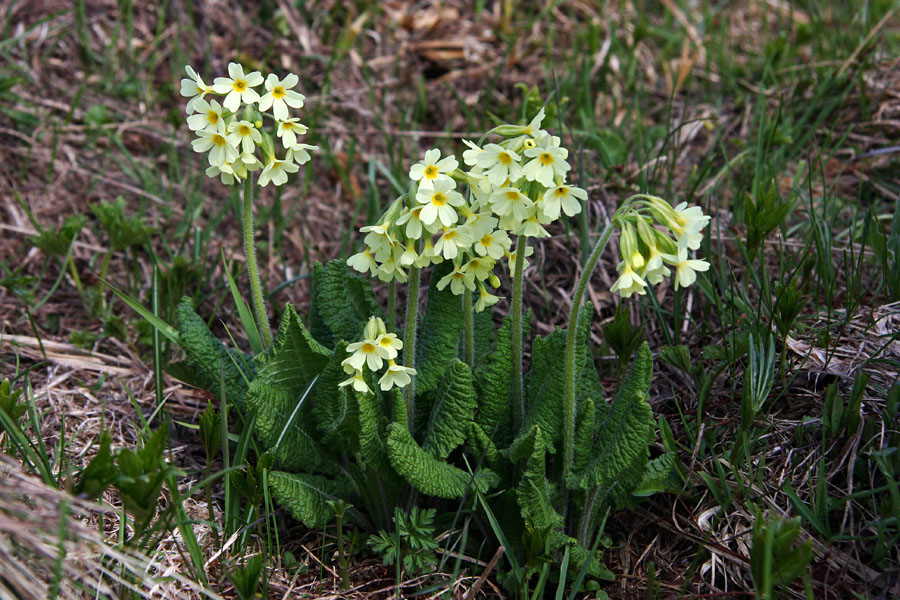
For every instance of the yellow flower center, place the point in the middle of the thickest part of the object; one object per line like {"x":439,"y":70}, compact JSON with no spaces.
{"x":439,"y":199}
{"x":218,"y":140}
{"x":287,"y":126}
{"x":244,"y":130}
{"x":239,"y":85}
{"x":504,"y":158}
{"x":385,"y":341}
{"x":278,"y":92}
{"x":458,"y":275}
{"x":213,"y":117}
{"x":546,"y":158}
{"x":562,"y":191}
{"x":368,"y":347}
{"x":431,"y":171}
{"x":450,"y":235}
{"x":486,"y":240}
{"x":529,"y":144}
{"x":512,"y":195}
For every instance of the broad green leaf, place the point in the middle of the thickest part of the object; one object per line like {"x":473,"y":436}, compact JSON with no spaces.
{"x":451,"y":412}
{"x":210,"y":357}
{"x":280,"y":397}
{"x":438,"y":333}
{"x":306,"y":496}
{"x":341,"y":304}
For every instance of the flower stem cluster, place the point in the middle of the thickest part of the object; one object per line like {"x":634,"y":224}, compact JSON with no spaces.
{"x":655,"y":236}
{"x":232,"y":132}
{"x":377,"y":348}
{"x":515,"y":186}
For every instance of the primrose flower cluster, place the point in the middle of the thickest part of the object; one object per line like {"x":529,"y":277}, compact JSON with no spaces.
{"x":377,"y":348}
{"x":515,"y":186}
{"x":648,"y":251}
{"x":232,"y":131}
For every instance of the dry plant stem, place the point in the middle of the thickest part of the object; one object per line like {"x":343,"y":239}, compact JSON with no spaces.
{"x":518,"y":399}
{"x":571,"y":332}
{"x":259,"y":306}
{"x":409,"y":342}
{"x":470,"y":328}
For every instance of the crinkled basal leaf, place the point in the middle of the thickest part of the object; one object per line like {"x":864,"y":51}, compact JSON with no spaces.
{"x":534,"y":492}
{"x":584,"y":434}
{"x":657,"y":476}
{"x":335,"y":409}
{"x":439,"y":332}
{"x":545,"y":387}
{"x":451,"y":412}
{"x":280,"y":396}
{"x":306,"y":496}
{"x":621,"y":446}
{"x":493,"y":381}
{"x":211,"y":358}
{"x":341,"y":303}
{"x":480,"y":446}
{"x":587,"y":382}
{"x":426,"y":473}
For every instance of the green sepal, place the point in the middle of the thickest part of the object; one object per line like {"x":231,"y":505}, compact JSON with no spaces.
{"x":306,"y":496}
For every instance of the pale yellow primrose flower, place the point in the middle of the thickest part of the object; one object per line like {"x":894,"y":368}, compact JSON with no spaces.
{"x":366,"y":352}
{"x":276,"y":171}
{"x":412,"y":218}
{"x":485,"y":299}
{"x":628,"y":282}
{"x":499,"y":164}
{"x":439,"y":201}
{"x":685,"y":268}
{"x":288,"y":130}
{"x":359,"y":384}
{"x":391,"y":343}
{"x":396,"y":375}
{"x":452,"y":241}
{"x":511,"y":201}
{"x":494,"y":244}
{"x":209,"y":116}
{"x":565,"y":197}
{"x":238,"y":87}
{"x":363,"y":262}
{"x":280,"y":95}
{"x":459,"y":280}
{"x":245,"y":134}
{"x":222,"y":150}
{"x":548,"y":160}
{"x":480,"y":268}
{"x":432,"y":168}
{"x":193,"y":88}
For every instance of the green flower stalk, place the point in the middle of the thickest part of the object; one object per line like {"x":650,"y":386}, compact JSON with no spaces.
{"x":259,"y":305}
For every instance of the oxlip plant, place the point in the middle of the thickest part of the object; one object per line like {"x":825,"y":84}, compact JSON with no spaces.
{"x":349,"y":406}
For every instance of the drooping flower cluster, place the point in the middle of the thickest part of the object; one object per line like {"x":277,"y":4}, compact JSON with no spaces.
{"x":377,"y":348}
{"x":648,"y":251}
{"x":233,"y":133}
{"x":515,"y":186}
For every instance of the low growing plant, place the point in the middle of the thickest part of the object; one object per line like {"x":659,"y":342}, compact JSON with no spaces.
{"x":439,"y":410}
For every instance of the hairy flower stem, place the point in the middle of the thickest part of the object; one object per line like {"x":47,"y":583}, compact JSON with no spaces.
{"x":571,"y":332}
{"x":470,"y":328}
{"x":409,"y":343}
{"x":259,"y":306}
{"x":518,"y":398}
